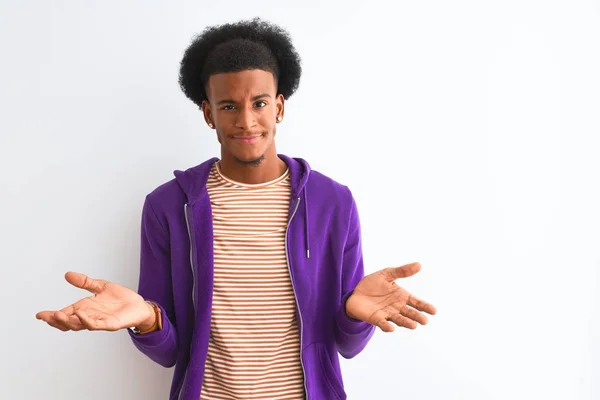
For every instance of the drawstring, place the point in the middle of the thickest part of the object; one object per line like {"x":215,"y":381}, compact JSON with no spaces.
{"x":306,"y":227}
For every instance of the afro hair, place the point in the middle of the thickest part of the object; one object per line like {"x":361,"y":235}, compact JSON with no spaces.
{"x":234,"y":47}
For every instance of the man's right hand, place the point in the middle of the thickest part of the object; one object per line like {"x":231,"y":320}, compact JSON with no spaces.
{"x":112,"y":307}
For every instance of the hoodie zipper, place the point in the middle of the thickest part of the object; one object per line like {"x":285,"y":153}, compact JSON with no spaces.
{"x":192,"y":248}
{"x":294,"y":289}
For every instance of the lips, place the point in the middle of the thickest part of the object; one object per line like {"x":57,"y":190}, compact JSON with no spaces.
{"x":247,"y":138}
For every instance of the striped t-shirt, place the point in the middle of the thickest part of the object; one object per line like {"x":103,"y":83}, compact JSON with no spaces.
{"x":254,"y":345}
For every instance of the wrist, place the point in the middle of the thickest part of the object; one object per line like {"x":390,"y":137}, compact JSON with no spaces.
{"x":149,"y":322}
{"x":349,"y":313}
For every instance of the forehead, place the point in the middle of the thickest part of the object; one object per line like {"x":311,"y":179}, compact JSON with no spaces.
{"x":239,"y":85}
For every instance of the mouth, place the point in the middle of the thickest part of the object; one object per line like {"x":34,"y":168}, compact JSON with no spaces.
{"x":247,"y":138}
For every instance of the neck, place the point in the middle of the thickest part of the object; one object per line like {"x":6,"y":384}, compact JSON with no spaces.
{"x":271,"y":167}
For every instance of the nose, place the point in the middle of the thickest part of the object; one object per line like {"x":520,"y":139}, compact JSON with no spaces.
{"x":245,"y":118}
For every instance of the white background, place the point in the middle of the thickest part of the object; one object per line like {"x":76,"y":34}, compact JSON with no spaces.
{"x":468,"y":131}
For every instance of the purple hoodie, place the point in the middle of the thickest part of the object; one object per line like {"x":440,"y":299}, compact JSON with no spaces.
{"x":323,"y":246}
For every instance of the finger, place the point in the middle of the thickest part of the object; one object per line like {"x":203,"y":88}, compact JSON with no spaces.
{"x":401,"y":320}
{"x":421,"y":305}
{"x":83,"y":281}
{"x":44,"y":315}
{"x":71,"y":322}
{"x":93,"y":320}
{"x":83,"y":303}
{"x":69,"y":310}
{"x":382,"y":322}
{"x":413,"y":314}
{"x":55,"y":322}
{"x":49,"y":318}
{"x":54,"y":316}
{"x":404,"y":271}
{"x":385,"y":326}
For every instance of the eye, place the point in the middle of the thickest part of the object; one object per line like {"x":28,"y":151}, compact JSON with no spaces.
{"x":261,"y":102}
{"x":226,"y":107}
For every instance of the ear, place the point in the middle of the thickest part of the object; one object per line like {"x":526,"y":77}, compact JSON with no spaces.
{"x":207,"y":111}
{"x":280,"y":106}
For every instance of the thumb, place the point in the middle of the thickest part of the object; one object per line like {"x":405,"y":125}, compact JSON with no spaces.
{"x":405,"y":271}
{"x":83,"y":281}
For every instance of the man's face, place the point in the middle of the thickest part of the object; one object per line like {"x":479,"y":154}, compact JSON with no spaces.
{"x":243,"y":107}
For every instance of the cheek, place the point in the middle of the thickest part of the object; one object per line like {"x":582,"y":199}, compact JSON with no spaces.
{"x":268,"y":123}
{"x":267,"y":116}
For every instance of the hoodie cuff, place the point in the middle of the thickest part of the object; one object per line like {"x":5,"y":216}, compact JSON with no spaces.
{"x":348,"y":324}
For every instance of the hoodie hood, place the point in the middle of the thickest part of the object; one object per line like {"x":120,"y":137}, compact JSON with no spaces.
{"x":193,"y":183}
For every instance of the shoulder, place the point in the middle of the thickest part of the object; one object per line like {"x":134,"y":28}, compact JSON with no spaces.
{"x":329,"y":191}
{"x":319,"y":179}
{"x":167,"y":202}
{"x":166,"y":193}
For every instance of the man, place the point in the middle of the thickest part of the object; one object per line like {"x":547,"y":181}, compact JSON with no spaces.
{"x":251,"y":278}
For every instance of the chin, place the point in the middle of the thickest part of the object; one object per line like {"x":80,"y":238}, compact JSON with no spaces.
{"x":255,"y":160}
{"x":249,"y":156}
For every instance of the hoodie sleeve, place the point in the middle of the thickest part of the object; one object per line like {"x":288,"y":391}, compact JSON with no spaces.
{"x":351,"y":335}
{"x":155,"y":285}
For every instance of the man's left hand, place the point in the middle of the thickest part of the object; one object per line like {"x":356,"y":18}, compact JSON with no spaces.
{"x":377,"y":299}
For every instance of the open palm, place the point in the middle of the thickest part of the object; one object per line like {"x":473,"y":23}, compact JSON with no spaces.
{"x":112,"y":307}
{"x":377,"y":299}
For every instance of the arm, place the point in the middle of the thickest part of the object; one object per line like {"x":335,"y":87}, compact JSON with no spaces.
{"x":351,"y":335}
{"x":155,"y":285}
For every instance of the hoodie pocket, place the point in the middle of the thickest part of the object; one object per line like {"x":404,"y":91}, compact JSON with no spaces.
{"x":329,"y":372}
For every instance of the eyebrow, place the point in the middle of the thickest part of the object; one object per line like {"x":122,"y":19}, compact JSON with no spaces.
{"x":229,"y":101}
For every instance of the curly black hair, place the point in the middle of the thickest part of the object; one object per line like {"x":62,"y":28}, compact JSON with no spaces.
{"x":233,"y":47}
